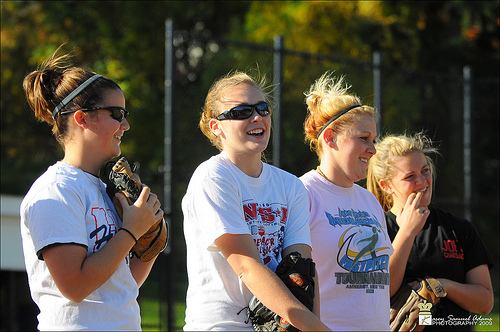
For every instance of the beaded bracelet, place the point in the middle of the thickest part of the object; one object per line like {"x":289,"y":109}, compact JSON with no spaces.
{"x":126,"y":230}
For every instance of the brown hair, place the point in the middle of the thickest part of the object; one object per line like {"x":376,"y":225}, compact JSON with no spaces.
{"x":327,"y":97}
{"x":212,"y":102}
{"x":389,"y":150}
{"x":54,"y":79}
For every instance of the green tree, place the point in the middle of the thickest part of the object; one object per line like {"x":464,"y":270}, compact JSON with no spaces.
{"x":420,"y":37}
{"x":124,"y":40}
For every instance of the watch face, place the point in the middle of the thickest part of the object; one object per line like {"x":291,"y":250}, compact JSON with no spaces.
{"x":436,"y":287}
{"x":440,"y":291}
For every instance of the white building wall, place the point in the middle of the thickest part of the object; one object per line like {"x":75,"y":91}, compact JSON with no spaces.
{"x":11,"y":250}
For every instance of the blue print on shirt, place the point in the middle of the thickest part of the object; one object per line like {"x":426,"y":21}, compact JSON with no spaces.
{"x":351,"y":217}
{"x":361,"y":252}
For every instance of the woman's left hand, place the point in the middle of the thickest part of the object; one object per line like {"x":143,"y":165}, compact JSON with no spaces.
{"x":476,"y":294}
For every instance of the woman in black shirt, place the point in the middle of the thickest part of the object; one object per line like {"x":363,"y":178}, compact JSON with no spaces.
{"x":428,"y":241}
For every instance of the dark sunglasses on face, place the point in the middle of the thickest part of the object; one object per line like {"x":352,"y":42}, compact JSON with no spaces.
{"x":118,"y":113}
{"x":244,"y":112}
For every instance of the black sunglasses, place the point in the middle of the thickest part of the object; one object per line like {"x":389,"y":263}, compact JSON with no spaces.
{"x":244,"y":112}
{"x":117,"y":112}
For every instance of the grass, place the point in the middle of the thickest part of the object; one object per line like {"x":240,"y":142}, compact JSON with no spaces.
{"x":152,"y":314}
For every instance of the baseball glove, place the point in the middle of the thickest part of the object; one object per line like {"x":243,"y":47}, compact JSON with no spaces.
{"x":119,"y":177}
{"x":406,"y":304}
{"x":297,"y":274}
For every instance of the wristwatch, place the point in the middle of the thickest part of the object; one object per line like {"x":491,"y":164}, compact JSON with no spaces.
{"x":435,"y":286}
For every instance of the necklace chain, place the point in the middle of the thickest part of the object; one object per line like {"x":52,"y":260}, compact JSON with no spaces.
{"x":318,"y":169}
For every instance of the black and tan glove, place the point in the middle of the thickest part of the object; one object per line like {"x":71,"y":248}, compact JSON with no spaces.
{"x":405,"y":308}
{"x":297,"y":274}
{"x":120,"y":178}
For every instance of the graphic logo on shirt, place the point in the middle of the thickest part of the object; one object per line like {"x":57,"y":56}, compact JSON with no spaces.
{"x":267,"y":224}
{"x":361,"y":253}
{"x":450,"y":250}
{"x":105,"y":227}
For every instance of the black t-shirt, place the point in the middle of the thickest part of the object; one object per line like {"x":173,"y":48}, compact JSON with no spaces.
{"x":447,"y":247}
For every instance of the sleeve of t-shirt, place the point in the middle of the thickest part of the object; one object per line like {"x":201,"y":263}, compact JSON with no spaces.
{"x":56,"y":216}
{"x":476,"y":253}
{"x":297,"y":230}
{"x":381,"y":217}
{"x":392,"y":226}
{"x":219,"y":211}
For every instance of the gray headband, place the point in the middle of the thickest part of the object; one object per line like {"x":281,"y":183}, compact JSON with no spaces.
{"x":338,"y":115}
{"x":73,"y":94}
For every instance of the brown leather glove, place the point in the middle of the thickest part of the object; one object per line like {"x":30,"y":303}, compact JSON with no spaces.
{"x":119,"y":177}
{"x":404,"y":304}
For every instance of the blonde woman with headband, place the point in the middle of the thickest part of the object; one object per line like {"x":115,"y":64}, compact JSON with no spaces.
{"x":241,"y":217}
{"x":351,"y":246}
{"x":428,"y":241}
{"x":76,"y":248}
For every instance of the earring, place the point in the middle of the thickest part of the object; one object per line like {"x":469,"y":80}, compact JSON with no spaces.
{"x":387,"y":189}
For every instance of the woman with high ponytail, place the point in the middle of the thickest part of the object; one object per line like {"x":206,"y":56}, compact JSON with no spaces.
{"x":351,"y":246}
{"x":79,"y":270}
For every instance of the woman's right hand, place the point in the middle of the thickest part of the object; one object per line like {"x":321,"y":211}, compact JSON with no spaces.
{"x":144,"y":213}
{"x":411,"y":219}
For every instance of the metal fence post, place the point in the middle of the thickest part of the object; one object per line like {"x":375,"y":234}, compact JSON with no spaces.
{"x":377,"y":88}
{"x":277,"y":85}
{"x":167,"y":166}
{"x":467,"y":76}
{"x":169,"y":68}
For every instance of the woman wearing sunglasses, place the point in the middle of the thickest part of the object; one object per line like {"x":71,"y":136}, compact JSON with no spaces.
{"x":241,"y":216}
{"x":348,"y":228}
{"x":75,"y":246}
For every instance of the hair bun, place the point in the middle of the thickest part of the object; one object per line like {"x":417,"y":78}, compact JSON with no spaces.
{"x":313,"y":101}
{"x":51,"y":77}
{"x":49,"y":80}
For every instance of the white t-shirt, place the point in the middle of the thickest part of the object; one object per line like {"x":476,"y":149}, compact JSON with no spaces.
{"x":221,"y":199}
{"x":351,"y":249}
{"x":67,"y":205}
